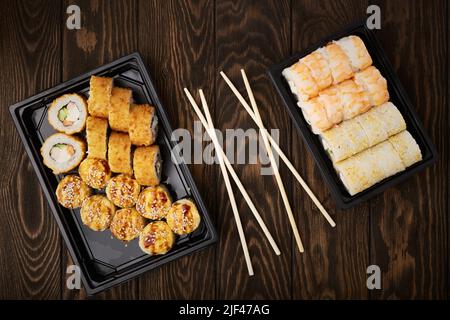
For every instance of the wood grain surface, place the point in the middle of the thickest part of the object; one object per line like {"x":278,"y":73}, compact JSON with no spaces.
{"x":186,"y":44}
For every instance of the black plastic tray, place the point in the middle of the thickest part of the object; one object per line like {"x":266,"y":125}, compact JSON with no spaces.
{"x":104,"y":261}
{"x":398,"y":96}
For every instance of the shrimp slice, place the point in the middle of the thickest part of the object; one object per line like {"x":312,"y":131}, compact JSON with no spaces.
{"x":315,"y":115}
{"x":353,"y":98}
{"x":332,"y":103}
{"x":319,"y":69}
{"x":301,"y":81}
{"x":338,"y":62}
{"x":374,"y":84}
{"x":356,"y":51}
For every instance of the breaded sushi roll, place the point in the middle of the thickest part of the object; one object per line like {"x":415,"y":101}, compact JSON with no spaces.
{"x":154,"y":202}
{"x":68,"y":113}
{"x":374,"y":84}
{"x":119,"y":153}
{"x":123,"y":191}
{"x":331,"y":101}
{"x":301,"y":81}
{"x":406,"y":147}
{"x":143,"y":125}
{"x":338,"y":62}
{"x":354,"y":99}
{"x":392,"y":119}
{"x":156,"y":238}
{"x":320,"y":71}
{"x":315,"y":114}
{"x":100,"y":96}
{"x":62,"y":153}
{"x":119,"y":111}
{"x":95,"y":172}
{"x":147,"y":165}
{"x":72,"y":191}
{"x":356,"y":51}
{"x":97,"y":137}
{"x":97,"y":212}
{"x":127,"y":224}
{"x":183,"y":217}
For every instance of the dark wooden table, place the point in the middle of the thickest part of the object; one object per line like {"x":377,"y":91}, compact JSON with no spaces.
{"x":187,"y":43}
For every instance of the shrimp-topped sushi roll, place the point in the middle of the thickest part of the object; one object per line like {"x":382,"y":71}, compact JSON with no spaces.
{"x":338,"y":62}
{"x":301,"y":81}
{"x":390,"y":117}
{"x":154,"y":202}
{"x":100,"y":96}
{"x":72,"y":191}
{"x":127,"y":224}
{"x":356,"y":51}
{"x":331,"y":101}
{"x":147,"y":165}
{"x":97,"y":212}
{"x":95,"y":172}
{"x":320,"y":71}
{"x":374,"y":84}
{"x":119,"y":153}
{"x":316,"y":115}
{"x":62,"y":152}
{"x":68,"y":113}
{"x":123,"y":191}
{"x":354,"y":99}
{"x":97,"y":137}
{"x":183,"y":217}
{"x":119,"y":111}
{"x":156,"y":238}
{"x":406,"y":147}
{"x":143,"y":125}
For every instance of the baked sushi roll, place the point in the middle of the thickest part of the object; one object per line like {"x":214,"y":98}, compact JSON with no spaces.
{"x":183,"y":217}
{"x":154,"y":202}
{"x":374,"y":84}
{"x":68,"y":113}
{"x":127,"y":224}
{"x":119,"y":111}
{"x":338,"y":62}
{"x":301,"y":82}
{"x":99,"y":96}
{"x":97,"y":212}
{"x":156,"y":238}
{"x":72,"y":191}
{"x":406,"y":147}
{"x":147,"y":164}
{"x":392,"y":119}
{"x":97,"y":137}
{"x":319,"y":69}
{"x":62,"y":153}
{"x":95,"y":172}
{"x":143,"y":125}
{"x":354,"y":99}
{"x":316,"y":115}
{"x":356,"y":51}
{"x":119,"y":153}
{"x":123,"y":191}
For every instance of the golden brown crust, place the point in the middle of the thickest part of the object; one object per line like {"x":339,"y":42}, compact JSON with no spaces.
{"x":119,"y":111}
{"x":56,"y":104}
{"x":140,"y":130}
{"x":119,"y":153}
{"x":95,"y":172}
{"x":100,"y":96}
{"x":183,"y":217}
{"x":97,"y":212}
{"x":127,"y":224}
{"x":146,"y":167}
{"x":72,"y":191}
{"x":154,"y":202}
{"x":123,"y":191}
{"x":156,"y":238}
{"x":96,"y":136}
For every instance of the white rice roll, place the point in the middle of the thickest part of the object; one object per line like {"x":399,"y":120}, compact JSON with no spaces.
{"x":406,"y":147}
{"x":62,"y":152}
{"x":68,"y":113}
{"x":301,"y":81}
{"x":390,"y":117}
{"x":373,"y":125}
{"x":386,"y":159}
{"x":356,"y":51}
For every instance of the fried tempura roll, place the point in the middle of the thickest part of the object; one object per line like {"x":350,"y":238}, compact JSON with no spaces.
{"x":143,"y":125}
{"x":68,"y":113}
{"x":72,"y":191}
{"x":127,"y":224}
{"x":119,"y":153}
{"x":62,"y":153}
{"x":183,"y":217}
{"x":123,"y":191}
{"x":156,"y":238}
{"x":97,"y":212}
{"x":95,"y":172}
{"x":100,"y":96}
{"x":119,"y":111}
{"x":97,"y":137}
{"x":154,"y":202}
{"x":147,"y":165}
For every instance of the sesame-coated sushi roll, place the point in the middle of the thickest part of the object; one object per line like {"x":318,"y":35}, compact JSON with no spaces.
{"x":301,"y":81}
{"x":62,"y":153}
{"x":183,"y":217}
{"x":316,"y":115}
{"x":143,"y":125}
{"x":95,"y":172}
{"x":331,"y":101}
{"x":338,"y":62}
{"x":99,"y":96}
{"x":72,"y":191}
{"x":154,"y":202}
{"x":374,"y":84}
{"x":356,"y":51}
{"x":127,"y":224}
{"x":68,"y":113}
{"x":156,"y":238}
{"x":119,"y":111}
{"x":406,"y":147}
{"x":354,"y":99}
{"x":119,"y":153}
{"x":97,"y":137}
{"x":147,"y":165}
{"x":319,"y":69}
{"x":392,"y":119}
{"x":123,"y":191}
{"x":97,"y":212}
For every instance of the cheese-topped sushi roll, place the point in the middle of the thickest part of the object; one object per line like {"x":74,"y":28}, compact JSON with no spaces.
{"x":127,"y":224}
{"x":119,"y":153}
{"x":301,"y":81}
{"x":72,"y":191}
{"x":97,"y":212}
{"x":123,"y":191}
{"x":68,"y":113}
{"x":147,"y":165}
{"x":95,"y":172}
{"x":353,"y":98}
{"x":154,"y":202}
{"x":392,"y":119}
{"x":119,"y":111}
{"x":320,"y":71}
{"x":356,"y":51}
{"x":183,"y":217}
{"x":374,"y":84}
{"x":143,"y":125}
{"x":156,"y":238}
{"x":99,"y":96}
{"x":62,"y":152}
{"x":406,"y":147}
{"x":97,"y":137}
{"x":338,"y":62}
{"x":331,"y":101}
{"x":315,"y":114}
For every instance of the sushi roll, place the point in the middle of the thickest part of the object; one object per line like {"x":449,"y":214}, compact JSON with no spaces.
{"x":123,"y":191}
{"x":127,"y":224}
{"x":119,"y":111}
{"x":154,"y":202}
{"x":68,"y":113}
{"x":320,"y":71}
{"x":301,"y":81}
{"x":356,"y":51}
{"x":100,"y":96}
{"x":97,"y":137}
{"x":330,"y":100}
{"x":406,"y":147}
{"x":338,"y":62}
{"x":143,"y":125}
{"x":392,"y":119}
{"x":97,"y":212}
{"x":156,"y":238}
{"x":183,"y":217}
{"x":147,"y":165}
{"x":72,"y":191}
{"x":374,"y":84}
{"x":95,"y":172}
{"x":119,"y":153}
{"x":62,"y":152}
{"x":316,"y":115}
{"x":354,"y":99}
